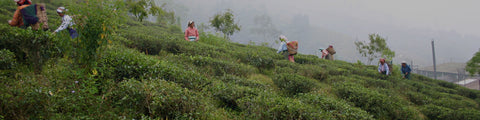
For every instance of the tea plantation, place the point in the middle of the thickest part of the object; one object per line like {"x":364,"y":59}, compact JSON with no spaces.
{"x":145,"y":70}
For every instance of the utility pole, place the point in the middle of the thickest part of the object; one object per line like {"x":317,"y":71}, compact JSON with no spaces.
{"x":434,"y":61}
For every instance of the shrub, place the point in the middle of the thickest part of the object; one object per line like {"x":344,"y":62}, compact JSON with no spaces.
{"x":338,"y":109}
{"x":271,"y":107}
{"x":418,"y":98}
{"x":95,"y":21}
{"x":121,"y":63}
{"x":293,"y":84}
{"x":308,"y":59}
{"x":157,"y":99}
{"x":466,"y":114}
{"x":222,"y":67}
{"x":18,"y":102}
{"x":7,"y":59}
{"x":436,"y":112}
{"x":313,"y":72}
{"x":228,"y":94}
{"x":450,"y":102}
{"x":31,"y":47}
{"x":260,"y":82}
{"x":255,"y":58}
{"x":472,"y":94}
{"x":380,"y":105}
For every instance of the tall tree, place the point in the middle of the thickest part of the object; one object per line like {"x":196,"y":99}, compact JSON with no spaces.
{"x":225,"y":23}
{"x":375,"y":48}
{"x":142,"y":8}
{"x":473,"y":66}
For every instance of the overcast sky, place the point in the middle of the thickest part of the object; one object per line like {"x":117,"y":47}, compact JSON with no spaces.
{"x":409,"y":25}
{"x":457,"y":15}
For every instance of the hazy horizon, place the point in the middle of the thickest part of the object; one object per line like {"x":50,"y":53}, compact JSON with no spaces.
{"x":409,"y":26}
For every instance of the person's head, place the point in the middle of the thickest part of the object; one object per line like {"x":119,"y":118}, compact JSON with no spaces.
{"x":330,"y":46}
{"x":23,"y":2}
{"x":61,"y":11}
{"x":191,"y":24}
{"x":382,"y":60}
{"x":282,"y":38}
{"x":404,"y":63}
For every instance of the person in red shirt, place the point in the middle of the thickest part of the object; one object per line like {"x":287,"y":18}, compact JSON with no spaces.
{"x":191,"y":33}
{"x":17,"y":16}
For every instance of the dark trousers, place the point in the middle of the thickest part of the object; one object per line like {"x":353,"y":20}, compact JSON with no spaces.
{"x":407,"y":76}
{"x":73,"y":33}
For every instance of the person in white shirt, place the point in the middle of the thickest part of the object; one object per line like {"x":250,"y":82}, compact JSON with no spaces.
{"x":383,"y":67}
{"x":67,"y":23}
{"x":283,"y":46}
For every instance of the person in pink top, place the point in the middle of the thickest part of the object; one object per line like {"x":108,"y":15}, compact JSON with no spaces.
{"x":191,"y":33}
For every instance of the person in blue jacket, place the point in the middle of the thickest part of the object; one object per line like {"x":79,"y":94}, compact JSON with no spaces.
{"x":406,"y":70}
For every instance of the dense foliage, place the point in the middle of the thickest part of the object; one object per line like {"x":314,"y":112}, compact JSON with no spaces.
{"x":473,"y":65}
{"x":376,"y":47}
{"x":225,"y":23}
{"x":144,"y":70}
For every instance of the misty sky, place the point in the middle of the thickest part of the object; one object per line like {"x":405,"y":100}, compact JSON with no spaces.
{"x":408,"y":25}
{"x":461,"y":15}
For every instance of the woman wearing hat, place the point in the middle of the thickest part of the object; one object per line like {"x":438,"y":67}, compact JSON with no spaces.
{"x":406,"y":70}
{"x":67,"y":23}
{"x":191,"y":33}
{"x":17,"y":16}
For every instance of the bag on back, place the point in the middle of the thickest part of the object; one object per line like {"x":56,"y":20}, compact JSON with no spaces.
{"x":42,"y":17}
{"x":29,"y":15}
{"x":292,"y":47}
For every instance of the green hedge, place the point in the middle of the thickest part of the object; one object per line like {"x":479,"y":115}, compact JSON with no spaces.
{"x":338,"y":109}
{"x":381,"y":106}
{"x":293,"y":84}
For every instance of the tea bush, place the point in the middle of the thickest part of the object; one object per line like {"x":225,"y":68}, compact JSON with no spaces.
{"x":142,"y":70}
{"x":337,"y":109}
{"x":438,"y":112}
{"x":418,"y":98}
{"x":257,"y":83}
{"x":120,"y":63}
{"x":158,"y":99}
{"x":379,"y":105}
{"x":274,"y":107}
{"x":293,"y":84}
{"x":222,"y":67}
{"x":7,"y":59}
{"x":229,"y":94}
{"x":31,"y":47}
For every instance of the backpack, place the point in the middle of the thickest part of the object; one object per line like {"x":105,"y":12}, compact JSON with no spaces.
{"x":42,"y":17}
{"x":292,"y":47}
{"x":29,"y":15}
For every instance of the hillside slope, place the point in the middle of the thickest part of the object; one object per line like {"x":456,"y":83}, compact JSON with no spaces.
{"x":149,"y":71}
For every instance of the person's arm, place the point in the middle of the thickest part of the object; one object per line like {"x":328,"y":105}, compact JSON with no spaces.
{"x":380,"y":68}
{"x":186,"y":35}
{"x":280,"y":48}
{"x":196,"y":34}
{"x":16,"y":18}
{"x":65,"y":23}
{"x":409,"y":70}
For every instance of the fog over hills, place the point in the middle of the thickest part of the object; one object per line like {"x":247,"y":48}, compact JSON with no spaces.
{"x":408,"y":25}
